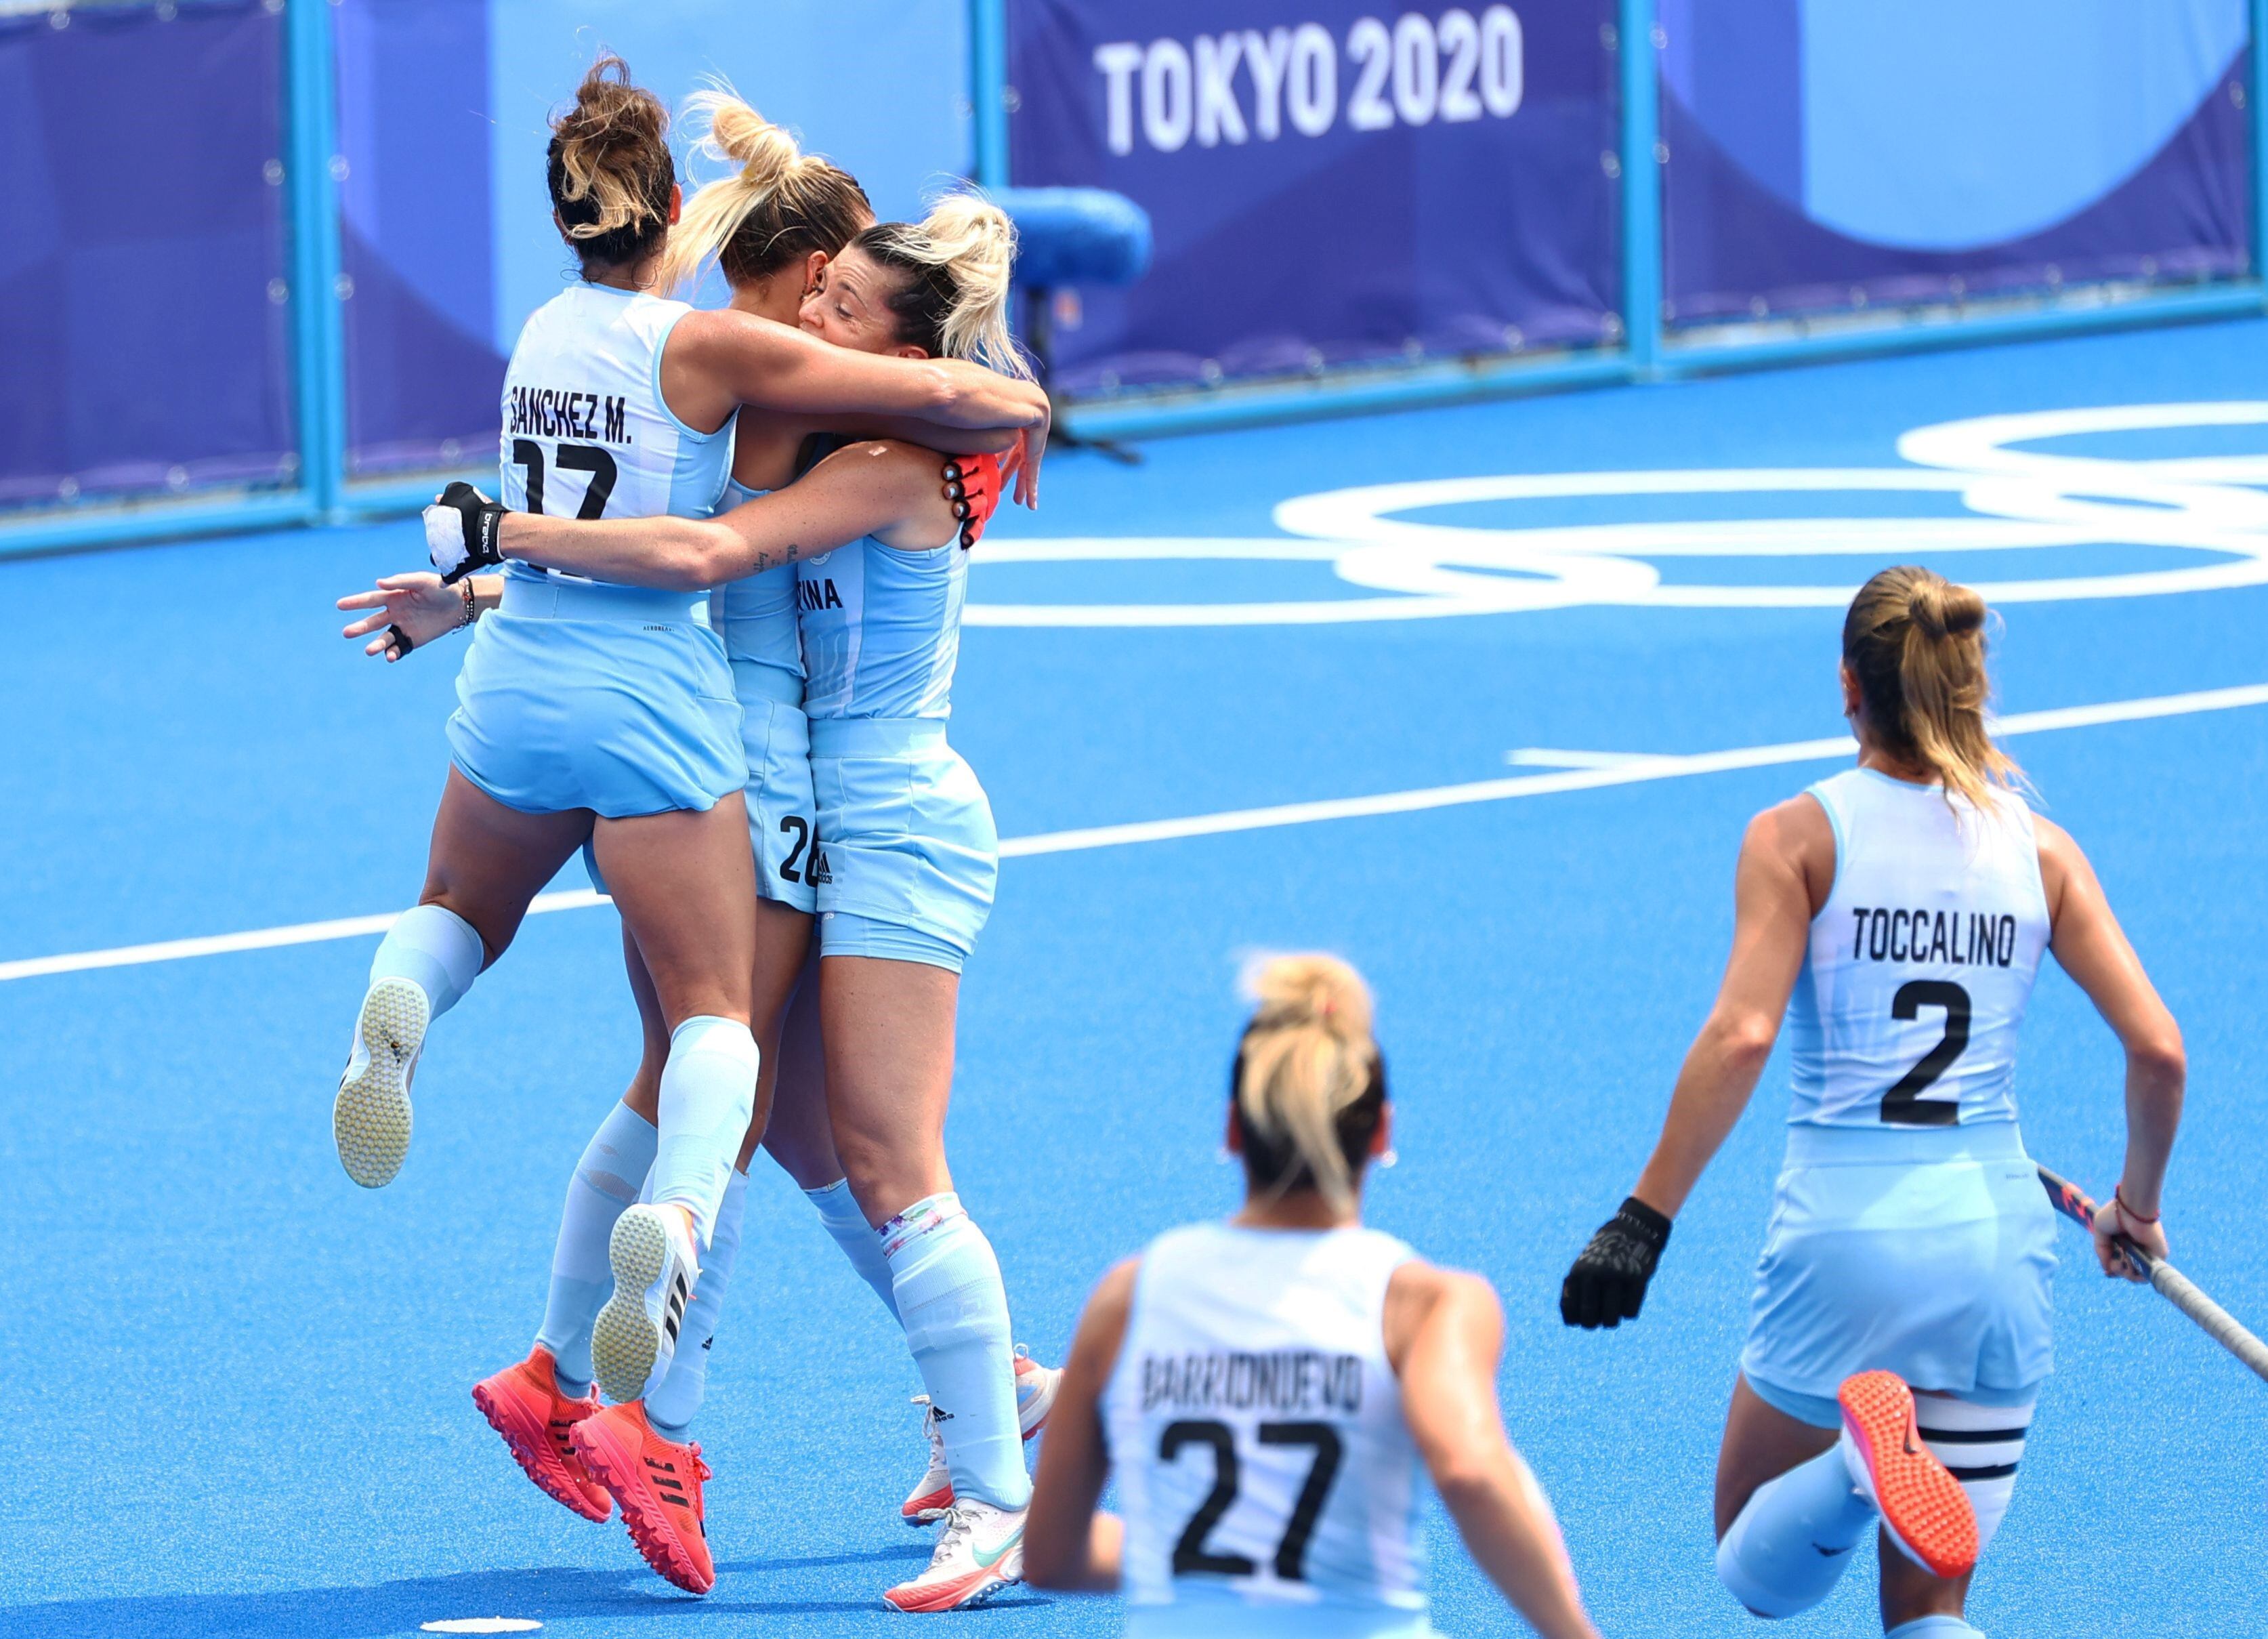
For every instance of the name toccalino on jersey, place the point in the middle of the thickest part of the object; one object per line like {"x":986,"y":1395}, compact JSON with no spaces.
{"x":1958,"y":938}
{"x":1282,"y":1380}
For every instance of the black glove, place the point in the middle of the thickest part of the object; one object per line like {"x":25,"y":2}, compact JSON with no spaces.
{"x":1607,"y":1286}
{"x":461,"y":532}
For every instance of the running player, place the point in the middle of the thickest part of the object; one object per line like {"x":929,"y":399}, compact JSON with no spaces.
{"x":604,"y":715}
{"x":1266,"y":1389}
{"x":911,"y":853}
{"x":1903,"y":906}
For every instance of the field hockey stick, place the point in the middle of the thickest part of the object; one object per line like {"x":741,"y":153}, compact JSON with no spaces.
{"x":2169,"y":1282}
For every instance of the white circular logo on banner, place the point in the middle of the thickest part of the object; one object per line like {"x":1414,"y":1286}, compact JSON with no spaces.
{"x":2017,"y":499}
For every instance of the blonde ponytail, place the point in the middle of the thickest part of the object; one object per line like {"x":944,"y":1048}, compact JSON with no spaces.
{"x":1310,"y":1085}
{"x":776,"y":205}
{"x":1915,"y":642}
{"x":958,"y":262}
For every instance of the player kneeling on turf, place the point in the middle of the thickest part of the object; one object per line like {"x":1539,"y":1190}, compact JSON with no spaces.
{"x":1899,"y":1331}
{"x":1265,"y":1389}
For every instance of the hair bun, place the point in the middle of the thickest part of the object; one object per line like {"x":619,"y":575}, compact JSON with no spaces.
{"x":1942,"y":610}
{"x":1316,"y":990}
{"x":728,"y":128}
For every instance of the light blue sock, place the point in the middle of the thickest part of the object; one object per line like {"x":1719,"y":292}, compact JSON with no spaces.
{"x":708,"y":1092}
{"x":1934,"y":1628}
{"x":606,"y":1179}
{"x":855,"y":1236}
{"x":1787,"y":1549}
{"x":672,"y":1406}
{"x":435,"y":949}
{"x":956,"y":1310}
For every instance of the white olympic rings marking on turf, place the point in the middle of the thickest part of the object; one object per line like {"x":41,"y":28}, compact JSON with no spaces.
{"x":2021,"y":500}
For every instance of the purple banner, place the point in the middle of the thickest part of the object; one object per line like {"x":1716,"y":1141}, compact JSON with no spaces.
{"x":423,"y":372}
{"x":143,"y":307}
{"x":1329,"y":184}
{"x":1836,"y":158}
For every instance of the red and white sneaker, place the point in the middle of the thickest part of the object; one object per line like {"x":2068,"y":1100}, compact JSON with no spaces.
{"x":1923,"y":1506}
{"x":658,"y":1482}
{"x":932,"y":1494}
{"x":981,"y":1553}
{"x":523,"y":1404}
{"x":1035,"y":1391}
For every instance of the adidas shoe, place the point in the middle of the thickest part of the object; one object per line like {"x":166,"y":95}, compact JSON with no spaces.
{"x":655,"y":1265}
{"x":1035,"y":1397}
{"x":981,"y":1553}
{"x":658,"y":1482}
{"x":1923,"y":1506}
{"x":369,"y":1118}
{"x":523,"y":1404}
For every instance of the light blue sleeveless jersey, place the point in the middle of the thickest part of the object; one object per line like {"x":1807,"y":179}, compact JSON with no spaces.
{"x":587,"y":431}
{"x":584,"y":694}
{"x":881,"y":630}
{"x":755,"y":614}
{"x":911,"y":856}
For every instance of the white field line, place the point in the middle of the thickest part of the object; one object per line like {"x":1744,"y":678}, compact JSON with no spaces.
{"x":1597,"y":771}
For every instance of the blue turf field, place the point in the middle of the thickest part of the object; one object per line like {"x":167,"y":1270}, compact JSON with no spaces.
{"x":235,"y":1385}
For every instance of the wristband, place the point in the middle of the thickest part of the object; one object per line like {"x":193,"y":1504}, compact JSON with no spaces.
{"x":472,"y":608}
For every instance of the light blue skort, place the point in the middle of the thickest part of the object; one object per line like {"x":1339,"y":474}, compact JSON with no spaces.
{"x":612,"y":699}
{"x":1925,"y":1252}
{"x":776,"y":742}
{"x":907,"y":830}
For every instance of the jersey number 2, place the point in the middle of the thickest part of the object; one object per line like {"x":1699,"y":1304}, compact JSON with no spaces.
{"x":1904,"y":1105}
{"x":572,"y":458}
{"x":1190,"y":1553}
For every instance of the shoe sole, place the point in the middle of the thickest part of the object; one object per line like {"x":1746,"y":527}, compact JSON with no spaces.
{"x":655,"y":1539}
{"x":962,"y":1594}
{"x":369,"y":1118}
{"x":537,"y":1456}
{"x":625,"y":1341}
{"x":1922,"y":1505}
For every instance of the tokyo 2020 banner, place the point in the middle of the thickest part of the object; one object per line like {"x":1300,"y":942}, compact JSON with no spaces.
{"x":1330,"y":181}
{"x":1822,"y":155}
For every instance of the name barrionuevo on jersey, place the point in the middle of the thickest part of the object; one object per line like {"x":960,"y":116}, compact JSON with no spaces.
{"x":550,"y":412}
{"x":1958,"y":938}
{"x":1281,"y":1380}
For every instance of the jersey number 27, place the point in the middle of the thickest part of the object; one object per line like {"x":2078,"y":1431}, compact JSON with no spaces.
{"x":1190,"y":1553}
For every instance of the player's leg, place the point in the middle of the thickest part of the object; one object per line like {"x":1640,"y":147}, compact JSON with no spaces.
{"x":1981,"y":1446}
{"x":1788,"y":1514}
{"x":485,"y":863}
{"x":535,"y":1403}
{"x":782,"y":936}
{"x":685,"y":886}
{"x":888,"y":1026}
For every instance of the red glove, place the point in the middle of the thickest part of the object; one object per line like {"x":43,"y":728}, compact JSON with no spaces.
{"x":974,"y":485}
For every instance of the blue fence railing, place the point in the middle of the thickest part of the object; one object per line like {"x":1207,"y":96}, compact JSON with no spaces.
{"x":1640,"y":346}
